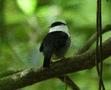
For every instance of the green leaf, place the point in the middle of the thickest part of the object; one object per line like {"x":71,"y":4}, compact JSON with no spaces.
{"x":27,"y":6}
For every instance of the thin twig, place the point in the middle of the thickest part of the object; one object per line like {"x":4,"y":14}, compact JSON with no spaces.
{"x":99,"y":43}
{"x":92,"y":39}
{"x":69,"y":82}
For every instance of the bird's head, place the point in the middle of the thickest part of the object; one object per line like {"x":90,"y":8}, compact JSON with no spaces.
{"x":59,"y":26}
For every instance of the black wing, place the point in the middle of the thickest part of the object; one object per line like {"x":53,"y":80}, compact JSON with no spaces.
{"x":54,"y":40}
{"x":41,"y":47}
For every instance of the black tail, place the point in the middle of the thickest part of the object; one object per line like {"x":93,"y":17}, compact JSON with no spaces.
{"x":47,"y":60}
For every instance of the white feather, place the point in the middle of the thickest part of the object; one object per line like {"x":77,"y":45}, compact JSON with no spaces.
{"x":62,"y":28}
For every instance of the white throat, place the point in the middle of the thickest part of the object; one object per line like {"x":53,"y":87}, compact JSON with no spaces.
{"x":62,"y":28}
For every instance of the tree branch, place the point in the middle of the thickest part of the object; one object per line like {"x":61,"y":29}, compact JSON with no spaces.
{"x":92,"y":39}
{"x":74,"y":64}
{"x":69,"y":82}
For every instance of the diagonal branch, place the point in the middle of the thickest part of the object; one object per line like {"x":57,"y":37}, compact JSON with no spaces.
{"x":74,"y":64}
{"x":92,"y":39}
{"x":69,"y":82}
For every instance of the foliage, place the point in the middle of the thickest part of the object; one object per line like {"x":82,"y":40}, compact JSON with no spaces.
{"x":26,"y":22}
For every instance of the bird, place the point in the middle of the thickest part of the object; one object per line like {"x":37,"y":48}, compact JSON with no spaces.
{"x":56,"y":42}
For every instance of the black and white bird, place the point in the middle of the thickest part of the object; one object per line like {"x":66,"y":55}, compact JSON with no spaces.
{"x":56,"y":42}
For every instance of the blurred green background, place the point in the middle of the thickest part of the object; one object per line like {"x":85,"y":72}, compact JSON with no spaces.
{"x":24,"y":23}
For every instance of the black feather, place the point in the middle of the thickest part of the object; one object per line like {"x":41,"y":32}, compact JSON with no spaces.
{"x":57,"y":23}
{"x":54,"y":43}
{"x":41,"y":47}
